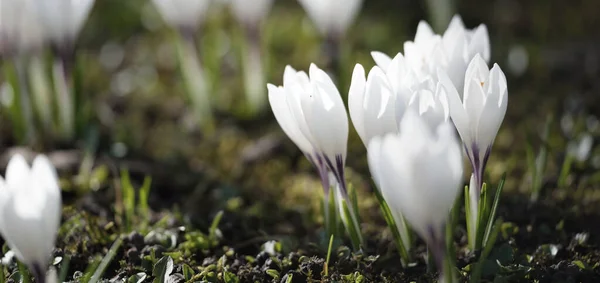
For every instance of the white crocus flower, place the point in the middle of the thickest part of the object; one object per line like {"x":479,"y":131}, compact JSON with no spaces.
{"x":30,"y":210}
{"x":372,"y":104}
{"x":479,"y":113}
{"x":250,"y":12}
{"x":183,"y":14}
{"x":419,"y":173}
{"x":63,"y":19}
{"x":311,"y":112}
{"x":332,"y":17}
{"x":327,"y":121}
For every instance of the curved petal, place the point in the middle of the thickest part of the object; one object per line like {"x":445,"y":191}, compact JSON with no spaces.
{"x":460,"y":117}
{"x":379,"y":106}
{"x":480,"y":43}
{"x":381,"y":59}
{"x":356,"y":96}
{"x":278,"y":99}
{"x":494,"y":109}
{"x":17,"y":172}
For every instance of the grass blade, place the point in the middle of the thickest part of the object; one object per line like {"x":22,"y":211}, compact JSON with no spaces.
{"x":106,"y":260}
{"x":492,"y":215}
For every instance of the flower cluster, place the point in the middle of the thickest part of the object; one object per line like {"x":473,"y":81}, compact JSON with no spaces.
{"x":406,"y":110}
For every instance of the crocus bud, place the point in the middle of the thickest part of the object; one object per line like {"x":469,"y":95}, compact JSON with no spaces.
{"x":479,"y":113}
{"x":183,"y":14}
{"x":327,"y":120}
{"x":372,"y":104}
{"x":419,"y":173}
{"x":63,"y":19}
{"x":250,"y":12}
{"x":30,"y":210}
{"x":332,"y":17}
{"x":311,"y":112}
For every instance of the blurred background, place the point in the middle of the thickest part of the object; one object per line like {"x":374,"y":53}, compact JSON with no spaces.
{"x":139,"y":117}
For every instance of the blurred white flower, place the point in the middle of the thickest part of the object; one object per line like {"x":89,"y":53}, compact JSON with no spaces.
{"x":20,"y":30}
{"x":311,"y":112}
{"x":183,"y":14}
{"x":250,"y":12}
{"x":479,"y":113}
{"x":332,"y":17}
{"x":63,"y":19}
{"x":30,"y":210}
{"x":419,"y":173}
{"x":372,"y":104}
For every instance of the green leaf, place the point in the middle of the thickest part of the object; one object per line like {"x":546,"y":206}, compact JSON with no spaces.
{"x":143,"y":209}
{"x":582,"y":265}
{"x":273,"y":273}
{"x":162,"y":269}
{"x":492,"y":216}
{"x":188,"y":272}
{"x":212,"y":232}
{"x":326,"y":269}
{"x":229,"y":277}
{"x":137,"y":278}
{"x":389,"y":219}
{"x":106,"y":260}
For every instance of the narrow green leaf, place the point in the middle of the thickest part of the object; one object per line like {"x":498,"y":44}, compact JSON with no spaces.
{"x":188,"y":272}
{"x":112,"y":252}
{"x":468,"y":212}
{"x":478,"y":268}
{"x":328,"y":255}
{"x":273,"y":273}
{"x":212,"y":234}
{"x":389,"y":219}
{"x":492,"y":216}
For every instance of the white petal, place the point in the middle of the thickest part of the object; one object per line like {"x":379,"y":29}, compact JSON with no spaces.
{"x":474,"y":101}
{"x":355,"y":100}
{"x":250,"y":13}
{"x":43,"y":170}
{"x":424,"y":32}
{"x":326,"y":118}
{"x":460,"y":117}
{"x":278,"y":98}
{"x":333,"y":16}
{"x":494,"y":109}
{"x":17,"y":172}
{"x":477,"y":70}
{"x":480,"y":43}
{"x":381,"y":59}
{"x":379,"y":106}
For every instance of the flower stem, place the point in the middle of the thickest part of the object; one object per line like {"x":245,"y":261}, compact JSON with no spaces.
{"x":195,"y":80}
{"x":254,"y":80}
